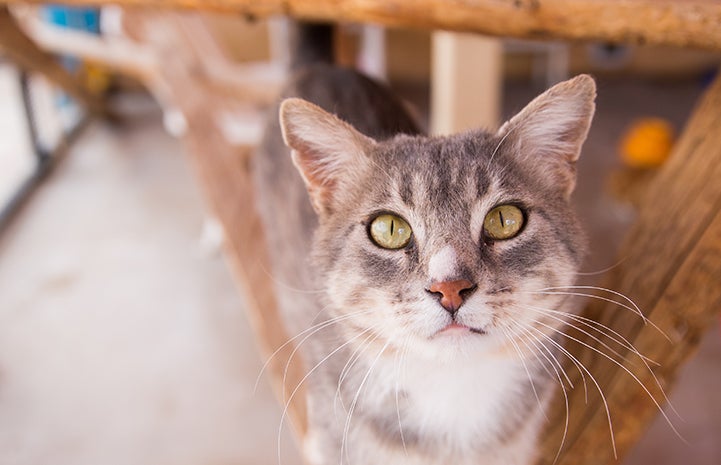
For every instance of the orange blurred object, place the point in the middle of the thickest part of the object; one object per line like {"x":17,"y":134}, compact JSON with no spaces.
{"x":647,"y":143}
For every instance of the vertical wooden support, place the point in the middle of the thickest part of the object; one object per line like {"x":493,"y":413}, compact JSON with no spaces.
{"x":228,"y":184}
{"x":23,"y":51}
{"x":672,"y":270}
{"x":465,"y":82}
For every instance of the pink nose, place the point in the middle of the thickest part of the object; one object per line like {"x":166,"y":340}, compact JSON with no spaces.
{"x":451,"y":293}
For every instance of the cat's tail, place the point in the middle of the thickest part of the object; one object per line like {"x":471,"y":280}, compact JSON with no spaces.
{"x":311,"y":43}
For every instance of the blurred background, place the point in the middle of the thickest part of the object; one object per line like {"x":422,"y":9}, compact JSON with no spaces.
{"x":123,"y":338}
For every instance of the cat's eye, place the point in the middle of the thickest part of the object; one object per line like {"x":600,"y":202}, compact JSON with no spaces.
{"x":503,"y":222}
{"x":390,"y":231}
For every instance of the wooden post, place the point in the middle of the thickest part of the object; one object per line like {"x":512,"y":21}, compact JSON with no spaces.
{"x":23,"y":51}
{"x":671,"y":269}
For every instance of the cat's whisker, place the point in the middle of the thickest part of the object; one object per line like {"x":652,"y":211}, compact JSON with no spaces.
{"x":493,"y":155}
{"x":578,"y":364}
{"x":313,"y":329}
{"x":624,"y":368}
{"x":551,"y":291}
{"x":551,"y":358}
{"x":355,"y":356}
{"x":308,"y":336}
{"x":344,"y":444}
{"x":607,"y":331}
{"x":597,"y":288}
{"x":307,"y":375}
{"x":400,"y":356}
{"x":635,"y":309}
{"x":287,"y":286}
{"x":565,"y":322}
{"x":625,"y":343}
{"x":609,"y":268}
{"x":560,"y":365}
{"x":542,"y":351}
{"x":521,"y":357}
{"x":536,"y":351}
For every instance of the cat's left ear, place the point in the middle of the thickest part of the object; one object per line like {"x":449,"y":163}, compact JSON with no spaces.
{"x":548,"y":133}
{"x":328,"y":152}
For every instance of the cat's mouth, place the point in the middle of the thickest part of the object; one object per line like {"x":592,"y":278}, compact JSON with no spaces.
{"x":458,"y":329}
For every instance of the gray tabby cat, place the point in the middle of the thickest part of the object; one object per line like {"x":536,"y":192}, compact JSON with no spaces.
{"x":419,"y":267}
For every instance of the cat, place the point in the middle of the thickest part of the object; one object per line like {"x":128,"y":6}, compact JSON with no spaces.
{"x":417,"y":265}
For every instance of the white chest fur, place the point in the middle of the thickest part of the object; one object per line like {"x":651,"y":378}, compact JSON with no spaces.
{"x":460,"y":404}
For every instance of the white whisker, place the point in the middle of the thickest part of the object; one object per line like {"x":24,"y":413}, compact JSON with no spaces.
{"x":400,"y":355}
{"x":602,"y":289}
{"x":313,"y":329}
{"x":355,"y":356}
{"x":563,"y":321}
{"x":490,"y":160}
{"x":287,"y":286}
{"x":609,"y":268}
{"x":307,"y":375}
{"x":521,"y":357}
{"x":308,"y":336}
{"x":635,"y":309}
{"x":625,"y":343}
{"x":630,"y":373}
{"x":531,"y":338}
{"x":583,"y":367}
{"x":344,"y":444}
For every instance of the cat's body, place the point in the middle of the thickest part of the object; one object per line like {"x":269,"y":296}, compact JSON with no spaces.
{"x":438,"y":345}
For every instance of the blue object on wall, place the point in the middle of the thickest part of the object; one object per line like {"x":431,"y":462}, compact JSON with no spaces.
{"x":84,"y":19}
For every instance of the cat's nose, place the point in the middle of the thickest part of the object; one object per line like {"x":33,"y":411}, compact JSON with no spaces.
{"x":452,"y":294}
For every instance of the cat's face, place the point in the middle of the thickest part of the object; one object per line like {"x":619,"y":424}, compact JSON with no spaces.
{"x":446,"y":246}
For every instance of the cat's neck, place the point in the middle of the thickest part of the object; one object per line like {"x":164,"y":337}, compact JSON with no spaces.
{"x":465,"y":404}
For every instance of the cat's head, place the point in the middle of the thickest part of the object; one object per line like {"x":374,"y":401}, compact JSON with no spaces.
{"x":446,"y":244}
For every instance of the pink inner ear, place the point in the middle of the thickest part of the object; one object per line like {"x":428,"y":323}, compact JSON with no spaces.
{"x":318,"y":181}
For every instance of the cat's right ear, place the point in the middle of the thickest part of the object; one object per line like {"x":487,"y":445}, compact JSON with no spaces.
{"x":328,"y":152}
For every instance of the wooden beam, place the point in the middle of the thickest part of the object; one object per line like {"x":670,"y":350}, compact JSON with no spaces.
{"x":16,"y":45}
{"x":122,"y":56}
{"x":671,"y":268}
{"x":254,"y":83}
{"x":682,"y":23}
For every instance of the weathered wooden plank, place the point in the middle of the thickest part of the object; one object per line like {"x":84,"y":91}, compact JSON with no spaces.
{"x":23,"y":52}
{"x":226,"y":178}
{"x":228,"y":186}
{"x":682,"y":23}
{"x":671,"y":269}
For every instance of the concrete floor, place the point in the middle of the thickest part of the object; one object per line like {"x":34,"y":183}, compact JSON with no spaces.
{"x":123,"y":339}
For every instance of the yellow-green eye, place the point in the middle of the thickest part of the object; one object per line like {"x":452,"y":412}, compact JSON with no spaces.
{"x":503,"y":222}
{"x":390,"y":231}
